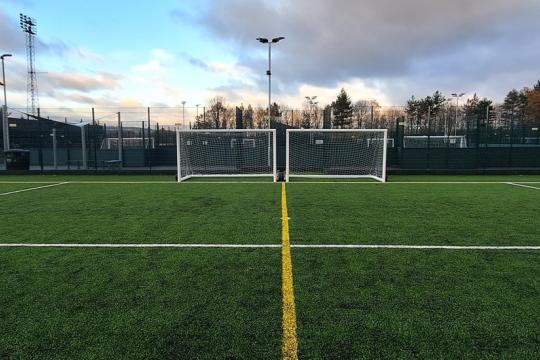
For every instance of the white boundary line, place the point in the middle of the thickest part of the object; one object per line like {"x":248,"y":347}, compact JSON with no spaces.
{"x":138,"y":182}
{"x":410,"y":182}
{"x":255,"y":246}
{"x":270,"y":182}
{"x":33,"y":188}
{"x":525,"y":186}
{"x":146,"y":245}
{"x":421,"y":247}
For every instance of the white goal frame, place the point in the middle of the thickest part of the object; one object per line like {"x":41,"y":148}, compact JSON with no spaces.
{"x":272,"y":156}
{"x":288,"y":175}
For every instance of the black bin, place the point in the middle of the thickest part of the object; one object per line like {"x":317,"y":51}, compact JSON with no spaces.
{"x":17,"y":159}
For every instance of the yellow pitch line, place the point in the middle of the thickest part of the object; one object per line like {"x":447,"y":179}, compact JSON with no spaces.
{"x":290,"y":343}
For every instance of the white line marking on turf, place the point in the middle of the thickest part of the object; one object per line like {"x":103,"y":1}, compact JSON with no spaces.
{"x":139,"y":182}
{"x":28,"y":182}
{"x":33,"y":188}
{"x":525,"y":186}
{"x":268,"y":182}
{"x":425,"y":247}
{"x":408,"y":182}
{"x":255,"y":246}
{"x":144,"y":245}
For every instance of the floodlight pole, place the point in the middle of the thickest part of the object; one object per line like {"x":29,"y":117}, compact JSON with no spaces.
{"x":269,"y":72}
{"x":5,"y":125}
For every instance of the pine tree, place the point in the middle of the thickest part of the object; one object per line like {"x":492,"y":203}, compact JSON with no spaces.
{"x":478,"y":108}
{"x":343,"y":110}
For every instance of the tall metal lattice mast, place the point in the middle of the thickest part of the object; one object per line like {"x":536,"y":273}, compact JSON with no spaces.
{"x":28,"y":26}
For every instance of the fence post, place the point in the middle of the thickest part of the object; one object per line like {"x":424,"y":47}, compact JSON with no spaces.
{"x":55,"y":164}
{"x":83,"y":147}
{"x":429,"y":137}
{"x":40,"y":140}
{"x":510,"y":155}
{"x":120,"y":141}
{"x":538,"y":132}
{"x":144,"y":144}
{"x":94,"y":137}
{"x":148,"y":126}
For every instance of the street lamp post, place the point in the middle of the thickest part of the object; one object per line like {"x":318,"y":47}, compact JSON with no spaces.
{"x":269,"y":71}
{"x":457,"y":96}
{"x":5,"y":125}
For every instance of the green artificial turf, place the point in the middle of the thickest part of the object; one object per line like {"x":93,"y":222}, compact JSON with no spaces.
{"x":144,"y":213}
{"x":380,"y":304}
{"x":416,"y":214}
{"x":140,"y":304}
{"x":226,"y":303}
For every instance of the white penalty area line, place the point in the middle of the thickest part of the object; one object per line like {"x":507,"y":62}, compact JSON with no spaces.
{"x":262,"y":246}
{"x":522,"y":185}
{"x":33,"y":188}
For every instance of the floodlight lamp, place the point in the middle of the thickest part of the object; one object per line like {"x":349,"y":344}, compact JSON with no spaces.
{"x":275,"y":40}
{"x":263,"y":40}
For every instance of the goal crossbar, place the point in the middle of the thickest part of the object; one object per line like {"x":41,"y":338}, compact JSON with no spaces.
{"x":226,"y":153}
{"x":350,"y":153}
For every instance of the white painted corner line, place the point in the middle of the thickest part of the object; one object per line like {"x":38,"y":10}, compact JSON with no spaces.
{"x":34,"y":188}
{"x":522,"y":185}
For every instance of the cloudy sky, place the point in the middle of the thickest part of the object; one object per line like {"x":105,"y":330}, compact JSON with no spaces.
{"x":160,"y":53}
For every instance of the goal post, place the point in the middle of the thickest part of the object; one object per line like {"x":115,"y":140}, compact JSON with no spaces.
{"x":226,"y":153}
{"x":336,"y":153}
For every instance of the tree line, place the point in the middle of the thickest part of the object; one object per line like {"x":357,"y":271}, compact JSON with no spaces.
{"x":435,"y":112}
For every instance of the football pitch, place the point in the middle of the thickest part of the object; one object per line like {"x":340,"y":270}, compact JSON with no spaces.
{"x":143,"y":267}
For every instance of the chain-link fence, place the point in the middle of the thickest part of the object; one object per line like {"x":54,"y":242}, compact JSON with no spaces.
{"x":110,"y":138}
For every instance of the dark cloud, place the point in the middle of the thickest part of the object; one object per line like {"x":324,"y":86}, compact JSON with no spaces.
{"x":412,"y":41}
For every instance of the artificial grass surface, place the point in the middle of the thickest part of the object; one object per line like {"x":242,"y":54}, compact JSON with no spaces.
{"x":144,"y":213}
{"x":415,"y":214}
{"x":140,"y":304}
{"x":215,"y":303}
{"x":417,"y":304}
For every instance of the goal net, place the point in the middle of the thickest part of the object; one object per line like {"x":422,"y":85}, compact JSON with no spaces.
{"x":354,"y":153}
{"x":226,"y":152}
{"x":437,"y":141}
